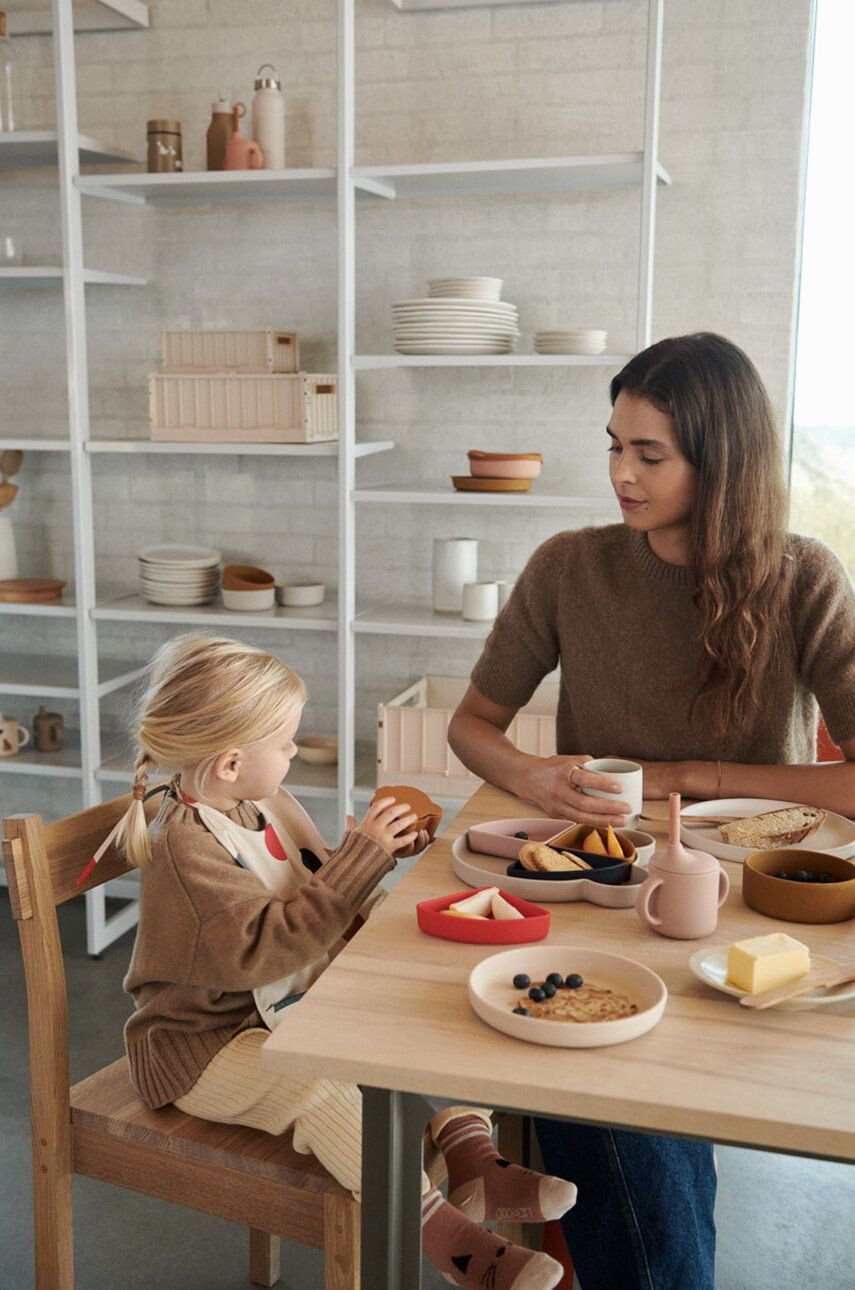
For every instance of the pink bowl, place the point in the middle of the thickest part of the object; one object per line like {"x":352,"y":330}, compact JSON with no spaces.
{"x":509,"y":468}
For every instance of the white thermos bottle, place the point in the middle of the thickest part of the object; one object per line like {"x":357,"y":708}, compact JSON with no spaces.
{"x":268,"y":117}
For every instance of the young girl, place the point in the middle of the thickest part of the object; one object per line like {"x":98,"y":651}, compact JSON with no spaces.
{"x":241,"y":906}
{"x":699,"y":638}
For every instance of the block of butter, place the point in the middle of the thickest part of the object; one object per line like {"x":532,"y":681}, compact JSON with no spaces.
{"x":764,"y":962}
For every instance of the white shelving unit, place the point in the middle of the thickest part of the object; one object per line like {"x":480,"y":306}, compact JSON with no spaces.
{"x":101,"y":771}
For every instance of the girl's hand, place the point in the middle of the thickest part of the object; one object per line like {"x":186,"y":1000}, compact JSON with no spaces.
{"x":390,"y":824}
{"x":555,"y":783}
{"x":415,"y":848}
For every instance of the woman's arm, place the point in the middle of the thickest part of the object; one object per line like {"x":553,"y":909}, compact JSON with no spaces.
{"x":477,"y":736}
{"x":830,"y":787}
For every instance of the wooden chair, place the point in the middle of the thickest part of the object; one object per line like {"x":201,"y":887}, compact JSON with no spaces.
{"x":102,"y":1129}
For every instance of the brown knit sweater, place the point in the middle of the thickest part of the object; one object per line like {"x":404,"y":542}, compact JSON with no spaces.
{"x":210,"y":932}
{"x":624,"y":628}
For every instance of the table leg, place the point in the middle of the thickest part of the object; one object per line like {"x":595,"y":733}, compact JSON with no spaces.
{"x":393,"y":1127}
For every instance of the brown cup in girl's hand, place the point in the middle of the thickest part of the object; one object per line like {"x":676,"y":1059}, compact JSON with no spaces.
{"x":427,"y":812}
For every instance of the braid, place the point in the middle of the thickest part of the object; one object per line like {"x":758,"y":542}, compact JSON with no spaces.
{"x":132,"y":834}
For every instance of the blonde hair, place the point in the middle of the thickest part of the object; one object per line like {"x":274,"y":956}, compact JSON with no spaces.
{"x":205,"y":695}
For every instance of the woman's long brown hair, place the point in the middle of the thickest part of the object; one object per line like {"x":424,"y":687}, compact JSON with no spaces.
{"x":725,"y":428}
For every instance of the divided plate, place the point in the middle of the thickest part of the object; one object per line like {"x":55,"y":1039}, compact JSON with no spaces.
{"x":492,"y":995}
{"x":710,"y":966}
{"x":836,"y":837}
{"x":491,"y":871}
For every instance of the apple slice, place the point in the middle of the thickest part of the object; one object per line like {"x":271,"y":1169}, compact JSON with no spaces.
{"x":503,"y":908}
{"x":479,"y":903}
{"x":456,"y":913}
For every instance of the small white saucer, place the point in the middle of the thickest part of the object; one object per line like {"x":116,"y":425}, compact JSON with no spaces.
{"x":710,"y":966}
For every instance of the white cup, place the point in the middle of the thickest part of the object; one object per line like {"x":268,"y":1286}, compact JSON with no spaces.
{"x":480,"y":601}
{"x":455,"y":562}
{"x":628,"y":774}
{"x":505,"y":589}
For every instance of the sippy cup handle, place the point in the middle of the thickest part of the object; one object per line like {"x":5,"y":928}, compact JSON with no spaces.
{"x":723,"y":887}
{"x":645,"y":900}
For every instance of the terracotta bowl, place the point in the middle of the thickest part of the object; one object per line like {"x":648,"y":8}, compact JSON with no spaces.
{"x":246,"y":577}
{"x":799,"y":902}
{"x":429,"y":814}
{"x":498,"y":465}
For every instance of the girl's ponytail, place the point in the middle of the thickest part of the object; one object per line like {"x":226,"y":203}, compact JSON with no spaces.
{"x":131,"y":834}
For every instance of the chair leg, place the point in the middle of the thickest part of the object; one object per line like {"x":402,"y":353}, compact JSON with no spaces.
{"x":263,"y":1257}
{"x":341,"y":1243}
{"x":515,"y":1145}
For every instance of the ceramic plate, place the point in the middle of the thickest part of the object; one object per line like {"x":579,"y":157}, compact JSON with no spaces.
{"x":190,"y":557}
{"x":492,"y":994}
{"x":491,"y":871}
{"x":710,"y":966}
{"x":836,"y":837}
{"x":452,"y":347}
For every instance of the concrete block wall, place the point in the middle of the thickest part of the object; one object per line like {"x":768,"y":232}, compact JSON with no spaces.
{"x":484,"y":83}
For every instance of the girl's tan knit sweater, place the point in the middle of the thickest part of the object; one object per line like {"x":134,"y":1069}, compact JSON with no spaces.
{"x":210,"y":932}
{"x":625,"y":629}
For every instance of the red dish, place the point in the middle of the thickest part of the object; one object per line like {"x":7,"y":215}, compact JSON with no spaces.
{"x":533,"y":926}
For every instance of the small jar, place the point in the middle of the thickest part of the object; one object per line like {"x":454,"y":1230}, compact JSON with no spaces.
{"x":164,"y":146}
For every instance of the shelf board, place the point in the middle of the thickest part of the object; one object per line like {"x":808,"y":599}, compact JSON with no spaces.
{"x":133,"y":609}
{"x":56,"y":677}
{"x":423,"y":6}
{"x":39,"y":148}
{"x":329,"y":449}
{"x":303,"y":780}
{"x":64,"y":764}
{"x":36,"y":445}
{"x":64,"y":608}
{"x":215,"y":185}
{"x":369,"y":362}
{"x":52,"y":276}
{"x":94,"y":15}
{"x":416,"y":620}
{"x":393,"y":494}
{"x":526,"y":175}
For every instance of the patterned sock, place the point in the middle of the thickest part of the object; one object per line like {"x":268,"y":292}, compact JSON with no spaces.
{"x":469,"y":1255}
{"x":485,"y":1187}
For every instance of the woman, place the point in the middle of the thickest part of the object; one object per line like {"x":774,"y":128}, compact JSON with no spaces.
{"x":698,"y":638}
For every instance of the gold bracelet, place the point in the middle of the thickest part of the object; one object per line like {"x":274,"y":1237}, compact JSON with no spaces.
{"x":718,"y":781}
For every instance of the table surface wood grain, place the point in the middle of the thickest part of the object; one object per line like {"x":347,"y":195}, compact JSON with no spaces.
{"x":392,"y":1011}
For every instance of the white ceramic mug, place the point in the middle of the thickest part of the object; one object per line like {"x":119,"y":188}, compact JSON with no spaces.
{"x":480,"y":601}
{"x":505,"y":589}
{"x":13,"y":737}
{"x":626,"y":773}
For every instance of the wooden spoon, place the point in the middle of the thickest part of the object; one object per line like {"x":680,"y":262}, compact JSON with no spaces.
{"x":705,"y":821}
{"x":10,"y":462}
{"x":826,"y":974}
{"x":8,"y":493}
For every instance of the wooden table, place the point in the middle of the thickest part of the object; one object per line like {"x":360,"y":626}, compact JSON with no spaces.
{"x":391,"y":1014}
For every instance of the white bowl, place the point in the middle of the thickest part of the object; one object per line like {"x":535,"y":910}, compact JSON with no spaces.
{"x":299,"y":594}
{"x":248,"y":601}
{"x":318,"y":750}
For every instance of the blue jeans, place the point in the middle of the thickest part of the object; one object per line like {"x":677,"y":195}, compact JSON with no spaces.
{"x":643,"y":1219}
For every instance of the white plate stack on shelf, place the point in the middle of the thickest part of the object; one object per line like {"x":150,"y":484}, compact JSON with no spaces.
{"x":460,"y":316}
{"x":178,"y":575}
{"x":590,"y":342}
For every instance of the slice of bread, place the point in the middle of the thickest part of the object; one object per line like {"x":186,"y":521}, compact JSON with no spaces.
{"x":773,"y":828}
{"x":539,"y":858}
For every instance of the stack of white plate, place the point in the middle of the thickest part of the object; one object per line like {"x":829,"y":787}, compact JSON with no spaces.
{"x":570,"y":342}
{"x":466,"y":288}
{"x":178,"y":575}
{"x":449,"y":325}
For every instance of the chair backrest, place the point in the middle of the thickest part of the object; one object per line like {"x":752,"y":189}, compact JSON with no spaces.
{"x":43,"y":863}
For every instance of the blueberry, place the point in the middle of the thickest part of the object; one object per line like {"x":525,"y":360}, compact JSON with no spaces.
{"x":548,"y":989}
{"x":522,"y":835}
{"x":573,"y":981}
{"x":556,"y":979}
{"x":521,"y":981}
{"x":536,"y":994}
{"x":801,"y":875}
{"x":825,"y":876}
{"x":782,"y":873}
{"x":522,"y":1012}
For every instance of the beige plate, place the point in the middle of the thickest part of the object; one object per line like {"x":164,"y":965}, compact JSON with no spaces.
{"x":836,"y":836}
{"x":710,"y":966}
{"x":493,"y":997}
{"x":30,"y":591}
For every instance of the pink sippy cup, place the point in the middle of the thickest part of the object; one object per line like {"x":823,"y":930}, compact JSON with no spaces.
{"x":684,"y":889}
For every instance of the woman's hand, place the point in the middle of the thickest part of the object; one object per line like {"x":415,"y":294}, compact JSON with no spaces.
{"x":555,"y":785}
{"x":390,"y":824}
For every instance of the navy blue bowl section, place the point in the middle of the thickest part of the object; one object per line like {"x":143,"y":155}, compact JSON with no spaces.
{"x":603,"y":869}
